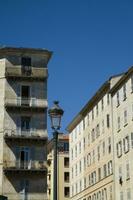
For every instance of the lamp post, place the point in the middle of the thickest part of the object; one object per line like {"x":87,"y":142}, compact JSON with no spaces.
{"x":55,"y":114}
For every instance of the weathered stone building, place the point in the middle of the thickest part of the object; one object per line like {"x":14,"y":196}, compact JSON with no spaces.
{"x":23,"y":123}
{"x":63,"y":168}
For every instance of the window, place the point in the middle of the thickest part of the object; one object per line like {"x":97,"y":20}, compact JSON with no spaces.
{"x":121,"y":196}
{"x":84,"y":124}
{"x":24,"y":188}
{"x":76,"y":170}
{"x":66,"y":176}
{"x":26,"y":61}
{"x":84,"y":182}
{"x":119,"y":149}
{"x":97,"y":109}
{"x":109,"y":145}
{"x":125,"y":117}
{"x":66,"y":146}
{"x":124,"y":92}
{"x":66,"y":162}
{"x":93,"y":156}
{"x":80,"y":185}
{"x":132,"y":140}
{"x":110,"y":170}
{"x":98,"y":153}
{"x":72,"y":154}
{"x":84,"y":143}
{"x":110,"y":193}
{"x":120,"y":175}
{"x":127,"y":170}
{"x":89,"y":179}
{"x":76,"y":188}
{"x":88,"y":119}
{"x":104,"y":171}
{"x":126,"y":144}
{"x":97,"y":131}
{"x":132,"y":83}
{"x":80,"y":166}
{"x":89,"y":159}
{"x":102,"y":104}
{"x":79,"y":147}
{"x":25,"y":91}
{"x":107,"y":99}
{"x":72,"y":172}
{"x":102,"y":126}
{"x":99,"y":174}
{"x":128,"y":194}
{"x":88,"y":139}
{"x":66,"y":191}
{"x":84,"y":163}
{"x":117,"y":98}
{"x":103,"y":148}
{"x":76,"y":151}
{"x":92,"y":114}
{"x":108,"y":122}
{"x":25,"y":125}
{"x":118,"y":123}
{"x":93,"y":135}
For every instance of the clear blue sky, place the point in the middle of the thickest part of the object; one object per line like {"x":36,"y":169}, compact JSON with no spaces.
{"x":91,"y":40}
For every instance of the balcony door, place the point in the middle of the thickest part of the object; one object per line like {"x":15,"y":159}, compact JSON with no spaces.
{"x":25,"y":125}
{"x":24,"y":189}
{"x":25,"y":95}
{"x":25,"y":162}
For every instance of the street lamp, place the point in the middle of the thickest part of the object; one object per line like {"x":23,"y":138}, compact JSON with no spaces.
{"x":55,"y":114}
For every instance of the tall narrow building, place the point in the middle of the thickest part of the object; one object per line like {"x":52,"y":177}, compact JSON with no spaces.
{"x":23,"y":123}
{"x":63,"y":168}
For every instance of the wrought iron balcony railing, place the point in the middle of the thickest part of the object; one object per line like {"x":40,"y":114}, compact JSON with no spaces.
{"x":26,"y":102}
{"x":38,"y":165}
{"x":24,"y":134}
{"x":26,"y":72}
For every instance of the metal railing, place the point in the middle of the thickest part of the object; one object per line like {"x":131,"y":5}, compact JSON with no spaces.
{"x":16,"y":133}
{"x":25,"y":165}
{"x":27,"y":71}
{"x":26,"y":102}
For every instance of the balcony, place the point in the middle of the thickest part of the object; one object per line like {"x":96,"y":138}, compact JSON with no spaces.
{"x":25,"y":103}
{"x":24,"y":72}
{"x":25,"y":166}
{"x":21,"y":135}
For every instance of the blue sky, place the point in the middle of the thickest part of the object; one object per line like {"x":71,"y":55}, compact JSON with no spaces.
{"x":90,"y":39}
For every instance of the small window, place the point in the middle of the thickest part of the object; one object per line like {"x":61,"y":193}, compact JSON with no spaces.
{"x":117,"y":98}
{"x":118,"y":123}
{"x":132,"y":140}
{"x":127,"y":170}
{"x":108,"y":121}
{"x":125,"y":117}
{"x":102,"y":104}
{"x":124,"y":92}
{"x":66,"y":176}
{"x":126,"y":144}
{"x":132,"y":83}
{"x":66,"y":192}
{"x":66,"y":162}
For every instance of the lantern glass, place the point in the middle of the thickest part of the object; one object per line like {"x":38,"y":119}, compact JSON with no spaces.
{"x":55,"y":114}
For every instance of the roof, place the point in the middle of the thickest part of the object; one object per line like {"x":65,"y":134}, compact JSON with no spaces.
{"x":121,"y":81}
{"x":91,"y":103}
{"x":4,"y":48}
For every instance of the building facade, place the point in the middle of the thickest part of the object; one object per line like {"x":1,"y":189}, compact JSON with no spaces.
{"x":62,"y":166}
{"x":101,"y":141}
{"x":122,"y":101}
{"x":23,"y":123}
